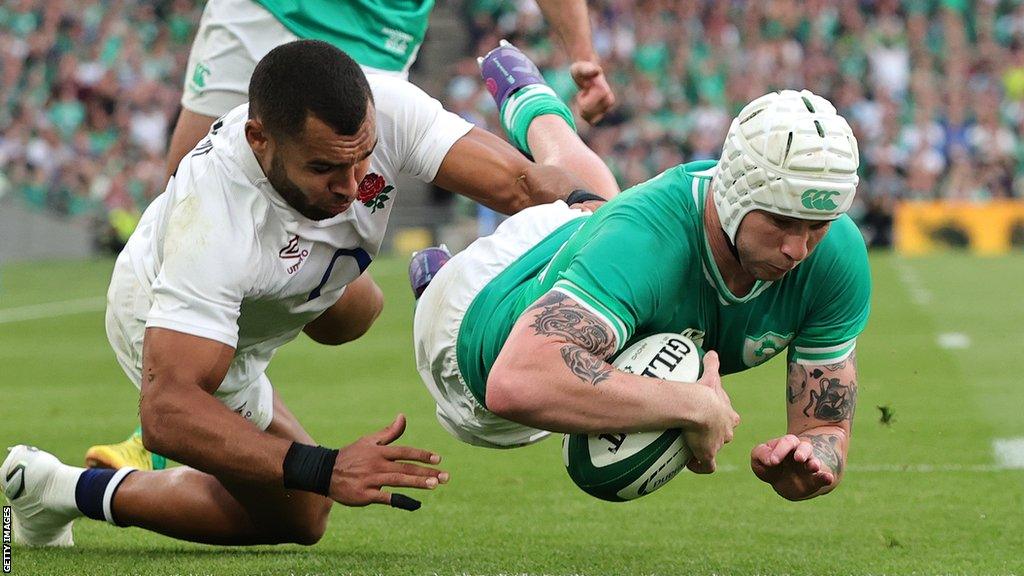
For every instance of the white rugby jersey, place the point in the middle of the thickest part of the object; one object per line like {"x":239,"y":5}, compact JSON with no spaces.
{"x":222,"y":256}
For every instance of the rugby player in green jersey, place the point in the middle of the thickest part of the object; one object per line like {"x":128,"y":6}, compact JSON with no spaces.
{"x":749,"y":256}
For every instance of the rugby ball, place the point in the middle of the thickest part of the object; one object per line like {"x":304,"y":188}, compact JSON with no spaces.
{"x":619,"y":467}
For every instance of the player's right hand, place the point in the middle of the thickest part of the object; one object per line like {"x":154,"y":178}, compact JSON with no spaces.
{"x":714,"y":427}
{"x":366,"y":466}
{"x":595,"y":96}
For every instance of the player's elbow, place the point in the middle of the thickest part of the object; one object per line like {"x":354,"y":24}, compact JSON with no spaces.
{"x":508,"y":396}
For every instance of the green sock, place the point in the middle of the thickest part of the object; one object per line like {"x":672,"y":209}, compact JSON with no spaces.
{"x":526,"y":104}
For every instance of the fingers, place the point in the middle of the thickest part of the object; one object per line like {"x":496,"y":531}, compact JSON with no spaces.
{"x":701,"y":466}
{"x":595,"y":97}
{"x":402,"y":480}
{"x":824,"y":478}
{"x":804,"y":453}
{"x":397,"y":501}
{"x":785,"y":445}
{"x":412,"y":454}
{"x":583,"y":71}
{"x":759,"y":461}
{"x":414,"y":470}
{"x":391,"y":432}
{"x":711,"y":366}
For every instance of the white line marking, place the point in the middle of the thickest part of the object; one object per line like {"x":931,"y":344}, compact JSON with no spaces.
{"x":918,"y":293}
{"x":911,"y":468}
{"x":926,"y":468}
{"x":954,"y":341}
{"x":1009,"y":452}
{"x":51,"y":309}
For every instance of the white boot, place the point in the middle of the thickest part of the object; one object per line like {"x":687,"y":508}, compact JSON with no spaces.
{"x":42,"y":493}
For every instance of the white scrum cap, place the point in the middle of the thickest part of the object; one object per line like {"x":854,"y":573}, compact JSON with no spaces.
{"x":788,"y":153}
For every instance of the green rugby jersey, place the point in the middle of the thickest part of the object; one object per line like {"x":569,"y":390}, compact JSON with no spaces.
{"x":382,"y":34}
{"x":643,"y":264}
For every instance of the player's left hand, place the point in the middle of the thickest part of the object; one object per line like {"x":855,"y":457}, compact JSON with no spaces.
{"x":790,"y":466}
{"x":363,"y":468}
{"x":595,"y":97}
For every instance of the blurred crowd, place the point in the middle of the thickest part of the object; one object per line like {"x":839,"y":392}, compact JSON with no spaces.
{"x":89,"y":92}
{"x":933,"y":89}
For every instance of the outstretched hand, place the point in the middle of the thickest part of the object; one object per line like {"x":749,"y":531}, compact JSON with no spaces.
{"x":791,"y":467}
{"x":367,"y":465}
{"x":595,"y":97}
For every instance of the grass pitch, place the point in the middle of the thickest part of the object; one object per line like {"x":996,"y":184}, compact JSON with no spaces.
{"x":924,"y":494}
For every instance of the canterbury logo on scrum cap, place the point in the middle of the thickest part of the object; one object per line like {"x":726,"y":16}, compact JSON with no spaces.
{"x":819,"y":199}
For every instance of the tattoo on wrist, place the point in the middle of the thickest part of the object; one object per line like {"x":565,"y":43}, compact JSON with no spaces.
{"x":826,"y":450}
{"x":585,"y":365}
{"x":562,"y":317}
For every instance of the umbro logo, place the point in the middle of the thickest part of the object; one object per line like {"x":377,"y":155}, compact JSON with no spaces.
{"x":291,"y":251}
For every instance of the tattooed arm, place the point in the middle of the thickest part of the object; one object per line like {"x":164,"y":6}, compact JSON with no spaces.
{"x":552,"y":374}
{"x":810,"y":459}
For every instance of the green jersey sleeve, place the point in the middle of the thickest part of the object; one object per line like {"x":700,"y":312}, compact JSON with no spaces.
{"x":838,"y":292}
{"x":627,"y":263}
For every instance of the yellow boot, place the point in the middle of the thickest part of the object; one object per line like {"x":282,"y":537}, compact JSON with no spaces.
{"x":131,"y":453}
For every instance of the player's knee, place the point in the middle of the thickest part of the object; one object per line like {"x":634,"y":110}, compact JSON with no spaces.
{"x":156,"y":428}
{"x":308,"y":526}
{"x":308,"y":535}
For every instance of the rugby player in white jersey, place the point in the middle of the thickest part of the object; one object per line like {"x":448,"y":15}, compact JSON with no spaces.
{"x":265,"y":230}
{"x":384,"y":37}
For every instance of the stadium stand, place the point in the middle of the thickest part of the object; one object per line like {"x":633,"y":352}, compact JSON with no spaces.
{"x":933,"y":88}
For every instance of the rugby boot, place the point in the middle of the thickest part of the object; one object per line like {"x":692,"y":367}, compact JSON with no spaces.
{"x":424,"y":266}
{"x":128,"y":454}
{"x":505,"y":70}
{"x":41,"y":492}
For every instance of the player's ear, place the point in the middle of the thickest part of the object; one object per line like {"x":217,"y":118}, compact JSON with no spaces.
{"x":257,"y":136}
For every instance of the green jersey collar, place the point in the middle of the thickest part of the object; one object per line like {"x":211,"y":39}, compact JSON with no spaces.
{"x":711,"y":273}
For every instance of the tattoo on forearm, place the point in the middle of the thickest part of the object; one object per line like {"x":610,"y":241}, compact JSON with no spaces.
{"x":585,"y":365}
{"x":826,"y":450}
{"x":796,"y":382}
{"x":833,"y":401}
{"x":562,"y":317}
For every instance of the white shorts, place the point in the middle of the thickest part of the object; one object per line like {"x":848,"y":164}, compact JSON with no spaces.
{"x":245,"y":389}
{"x":233,"y":36}
{"x":439,"y":315}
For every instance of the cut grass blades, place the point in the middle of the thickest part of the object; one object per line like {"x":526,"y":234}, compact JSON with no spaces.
{"x":921,"y":494}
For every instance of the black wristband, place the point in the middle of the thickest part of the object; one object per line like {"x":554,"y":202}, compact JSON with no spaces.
{"x":309,"y":468}
{"x":580,"y":195}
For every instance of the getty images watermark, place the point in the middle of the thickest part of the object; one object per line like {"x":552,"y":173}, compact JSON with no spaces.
{"x":7,"y":539}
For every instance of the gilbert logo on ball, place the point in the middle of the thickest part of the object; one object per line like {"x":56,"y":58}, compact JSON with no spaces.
{"x":619,"y":466}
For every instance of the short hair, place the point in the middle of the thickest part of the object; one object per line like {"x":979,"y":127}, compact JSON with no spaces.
{"x":308,"y":77}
